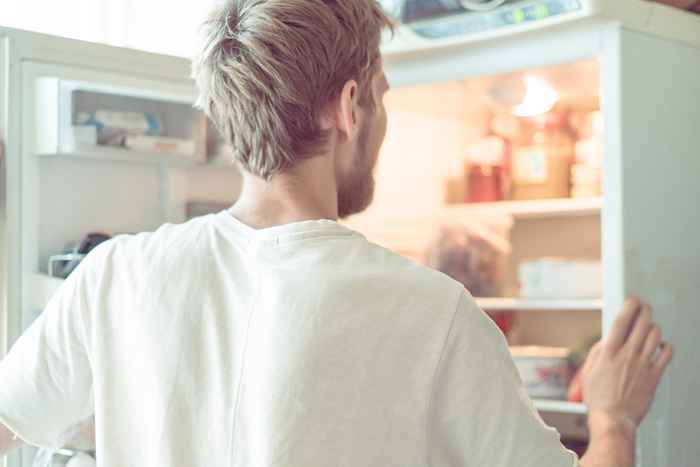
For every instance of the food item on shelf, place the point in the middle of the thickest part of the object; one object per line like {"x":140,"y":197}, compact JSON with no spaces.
{"x":62,"y":265}
{"x":586,"y":173}
{"x":575,"y":391}
{"x":485,"y":183}
{"x":542,"y":168}
{"x":113,"y":127}
{"x":557,"y":278}
{"x":455,"y":190}
{"x":578,"y":358}
{"x":586,"y":181}
{"x":475,"y":254}
{"x":80,"y":135}
{"x":545,"y":371}
{"x":161,"y":144}
{"x":505,"y":320}
{"x":485,"y":171}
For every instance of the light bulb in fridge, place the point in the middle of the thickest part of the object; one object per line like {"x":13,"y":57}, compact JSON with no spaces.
{"x":540,"y":97}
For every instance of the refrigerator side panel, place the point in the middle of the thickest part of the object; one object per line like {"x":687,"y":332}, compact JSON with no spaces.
{"x":3,"y":195}
{"x":660,"y":224}
{"x":10,"y":212}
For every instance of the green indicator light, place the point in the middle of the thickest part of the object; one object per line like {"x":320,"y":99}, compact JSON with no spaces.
{"x":541,"y":11}
{"x":518,"y":16}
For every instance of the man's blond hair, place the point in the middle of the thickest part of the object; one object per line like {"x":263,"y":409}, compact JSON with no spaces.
{"x":268,"y":69}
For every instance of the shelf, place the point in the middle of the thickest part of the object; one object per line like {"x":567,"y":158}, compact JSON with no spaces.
{"x":113,"y":154}
{"x":42,"y":289}
{"x":537,"y":209}
{"x":523,"y":304}
{"x":556,"y":406}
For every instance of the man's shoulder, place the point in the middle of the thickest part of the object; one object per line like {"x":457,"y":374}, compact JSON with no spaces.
{"x":408,"y":274}
{"x":169,"y":241}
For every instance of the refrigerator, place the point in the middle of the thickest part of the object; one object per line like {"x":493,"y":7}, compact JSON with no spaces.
{"x":631,"y":64}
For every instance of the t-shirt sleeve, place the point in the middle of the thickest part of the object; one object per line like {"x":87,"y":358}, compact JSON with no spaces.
{"x":480,"y":414}
{"x":46,"y":379}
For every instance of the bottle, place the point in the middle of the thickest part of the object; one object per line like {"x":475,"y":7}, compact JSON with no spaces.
{"x":484,"y":171}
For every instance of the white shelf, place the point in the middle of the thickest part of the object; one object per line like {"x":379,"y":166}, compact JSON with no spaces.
{"x":523,"y":304}
{"x":43,"y":288}
{"x":555,"y":406}
{"x":538,"y":209}
{"x":113,"y":154}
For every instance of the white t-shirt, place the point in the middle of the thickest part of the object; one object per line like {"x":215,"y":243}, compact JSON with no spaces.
{"x":304,"y":345}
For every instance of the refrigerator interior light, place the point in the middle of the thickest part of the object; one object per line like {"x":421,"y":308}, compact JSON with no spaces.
{"x":540,"y":97}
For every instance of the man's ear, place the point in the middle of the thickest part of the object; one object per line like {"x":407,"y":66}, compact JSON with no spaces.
{"x":342,"y":114}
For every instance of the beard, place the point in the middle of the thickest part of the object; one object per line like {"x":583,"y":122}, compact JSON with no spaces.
{"x":356,"y":189}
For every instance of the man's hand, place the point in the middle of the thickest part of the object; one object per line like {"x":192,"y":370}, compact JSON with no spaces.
{"x":622,"y":373}
{"x":620,"y":379}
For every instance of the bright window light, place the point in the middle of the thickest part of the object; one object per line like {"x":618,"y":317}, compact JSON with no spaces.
{"x":161,"y":26}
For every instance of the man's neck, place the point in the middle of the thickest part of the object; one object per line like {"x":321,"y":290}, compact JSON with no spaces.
{"x":309,"y":193}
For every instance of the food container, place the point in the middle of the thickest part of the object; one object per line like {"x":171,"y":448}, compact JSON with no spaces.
{"x":485,"y":183}
{"x":475,"y":254}
{"x":545,"y":371}
{"x":485,"y":172}
{"x":542,"y":169}
{"x":553,"y":278}
{"x":163,"y":145}
{"x":81,"y":135}
{"x":113,"y":127}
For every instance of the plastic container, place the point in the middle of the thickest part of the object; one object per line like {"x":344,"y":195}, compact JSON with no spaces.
{"x":475,"y":254}
{"x":561,"y":279}
{"x":545,"y":371}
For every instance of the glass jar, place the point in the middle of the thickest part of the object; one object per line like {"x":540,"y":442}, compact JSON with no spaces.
{"x":542,"y":168}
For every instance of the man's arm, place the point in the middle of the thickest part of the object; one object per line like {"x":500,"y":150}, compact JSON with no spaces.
{"x":8,"y":441}
{"x":620,"y":380}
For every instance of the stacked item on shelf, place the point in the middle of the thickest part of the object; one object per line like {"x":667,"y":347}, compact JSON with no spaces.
{"x":545,"y":371}
{"x":485,"y":171}
{"x":586,"y":173}
{"x":558,"y":154}
{"x":560,"y":278}
{"x":553,"y":372}
{"x":475,"y":254}
{"x":114,"y":128}
{"x":62,"y":265}
{"x":135,"y":131}
{"x":542,"y":162}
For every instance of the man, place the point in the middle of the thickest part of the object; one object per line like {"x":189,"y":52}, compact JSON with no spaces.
{"x":270,"y":335}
